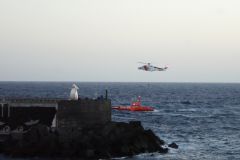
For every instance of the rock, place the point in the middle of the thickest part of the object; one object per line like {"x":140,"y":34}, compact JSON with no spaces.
{"x":38,"y":141}
{"x":163,"y":150}
{"x":173,"y":145}
{"x":115,"y":139}
{"x":136,"y":125}
{"x":90,"y":153}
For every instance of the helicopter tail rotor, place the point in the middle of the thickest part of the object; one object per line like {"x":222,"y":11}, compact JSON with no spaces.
{"x":166,"y":66}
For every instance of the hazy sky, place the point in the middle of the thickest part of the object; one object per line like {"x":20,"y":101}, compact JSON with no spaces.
{"x":102,"y":40}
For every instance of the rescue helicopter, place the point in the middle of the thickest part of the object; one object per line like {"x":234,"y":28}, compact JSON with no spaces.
{"x":151,"y":68}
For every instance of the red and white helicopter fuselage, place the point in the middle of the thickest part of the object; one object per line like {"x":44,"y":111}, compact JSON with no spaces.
{"x":151,"y":68}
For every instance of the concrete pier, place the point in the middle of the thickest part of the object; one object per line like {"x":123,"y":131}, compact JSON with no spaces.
{"x":54,"y":112}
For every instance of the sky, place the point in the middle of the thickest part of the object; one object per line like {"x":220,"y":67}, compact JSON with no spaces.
{"x":102,"y":40}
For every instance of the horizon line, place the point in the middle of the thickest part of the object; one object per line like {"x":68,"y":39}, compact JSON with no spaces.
{"x":71,"y":81}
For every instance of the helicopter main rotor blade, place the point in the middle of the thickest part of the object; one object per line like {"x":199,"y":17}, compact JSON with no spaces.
{"x":143,"y":63}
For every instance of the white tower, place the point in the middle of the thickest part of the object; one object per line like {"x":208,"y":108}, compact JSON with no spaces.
{"x":74,"y":92}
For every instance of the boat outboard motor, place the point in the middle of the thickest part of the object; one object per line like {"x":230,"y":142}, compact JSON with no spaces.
{"x":74,"y":92}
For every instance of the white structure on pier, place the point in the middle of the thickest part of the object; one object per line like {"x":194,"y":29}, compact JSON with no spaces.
{"x":74,"y":92}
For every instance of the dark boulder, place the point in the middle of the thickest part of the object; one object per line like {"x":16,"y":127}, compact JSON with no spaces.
{"x":115,"y":139}
{"x":173,"y":145}
{"x":38,"y":141}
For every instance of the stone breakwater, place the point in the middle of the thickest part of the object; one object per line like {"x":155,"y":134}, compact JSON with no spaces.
{"x":113,"y":139}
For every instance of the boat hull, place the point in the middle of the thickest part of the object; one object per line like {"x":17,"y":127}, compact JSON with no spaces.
{"x":133,"y":108}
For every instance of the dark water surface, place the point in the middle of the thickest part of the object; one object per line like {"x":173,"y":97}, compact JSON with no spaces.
{"x":203,"y":119}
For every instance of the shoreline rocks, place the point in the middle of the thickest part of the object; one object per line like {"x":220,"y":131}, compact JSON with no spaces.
{"x":173,"y":145}
{"x":114,"y":139}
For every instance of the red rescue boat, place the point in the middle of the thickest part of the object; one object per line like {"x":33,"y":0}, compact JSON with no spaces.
{"x":135,"y":106}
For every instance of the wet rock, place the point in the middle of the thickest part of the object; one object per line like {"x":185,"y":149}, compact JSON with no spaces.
{"x":115,"y":139}
{"x":173,"y":145}
{"x":164,"y":150}
{"x":90,"y":153}
{"x":38,"y":141}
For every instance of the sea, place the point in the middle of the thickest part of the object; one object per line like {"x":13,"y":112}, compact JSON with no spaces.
{"x":203,"y":119}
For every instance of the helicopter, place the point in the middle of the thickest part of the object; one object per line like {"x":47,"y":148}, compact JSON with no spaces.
{"x":151,"y":68}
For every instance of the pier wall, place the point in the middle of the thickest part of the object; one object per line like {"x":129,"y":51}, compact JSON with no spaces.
{"x":83,"y":112}
{"x":55,"y":113}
